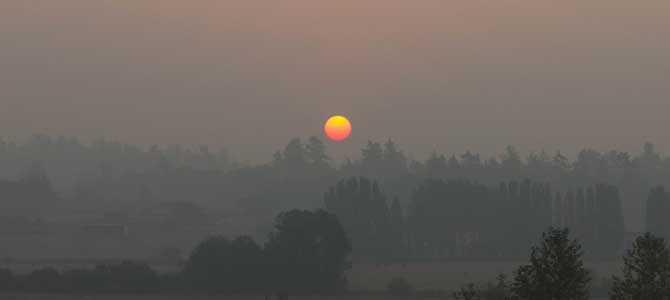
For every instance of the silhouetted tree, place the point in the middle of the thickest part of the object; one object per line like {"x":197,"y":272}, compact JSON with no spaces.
{"x":609,"y":224}
{"x":436,"y":165}
{"x":646,"y":271}
{"x":43,"y":280}
{"x":372,"y":158}
{"x":400,"y":287}
{"x":657,"y":212}
{"x":511,"y":161}
{"x":294,"y":154}
{"x":468,"y":292}
{"x":308,"y":252}
{"x":362,"y":208}
{"x":444,"y":215}
{"x":316,"y":152}
{"x":490,"y":291}
{"x":397,"y":230}
{"x":7,"y":280}
{"x":555,"y":270}
{"x":394,"y":160}
{"x":218,"y":264}
{"x":132,"y":276}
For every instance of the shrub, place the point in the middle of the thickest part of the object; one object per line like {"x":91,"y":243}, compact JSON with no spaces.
{"x":124,"y":277}
{"x":218,"y":264}
{"x":82,"y":280}
{"x":43,"y":280}
{"x":468,"y":292}
{"x":7,"y":280}
{"x":497,"y":291}
{"x":400,"y":287}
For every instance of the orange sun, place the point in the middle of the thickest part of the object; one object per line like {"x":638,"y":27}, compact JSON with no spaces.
{"x":337,"y":128}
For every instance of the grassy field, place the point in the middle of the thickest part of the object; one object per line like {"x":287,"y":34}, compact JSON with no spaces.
{"x":448,"y":275}
{"x":166,"y":297}
{"x":429,"y":275}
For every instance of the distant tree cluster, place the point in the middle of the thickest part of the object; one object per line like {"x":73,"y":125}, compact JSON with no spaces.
{"x":126,"y":276}
{"x":34,"y":184}
{"x":298,"y":155}
{"x":307,"y":253}
{"x":460,"y":218}
{"x":595,"y":215}
{"x":112,"y":171}
{"x":67,"y":158}
{"x":589,"y":194}
{"x":373,"y":224}
{"x":658,"y":212}
{"x":32,"y":190}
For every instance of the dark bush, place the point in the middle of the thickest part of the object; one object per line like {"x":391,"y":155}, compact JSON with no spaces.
{"x":171,"y":282}
{"x":218,"y":264}
{"x":124,"y":277}
{"x":82,"y":280}
{"x":7,"y":279}
{"x":132,"y":277}
{"x":490,"y":291}
{"x":308,"y":253}
{"x":43,"y":280}
{"x":400,"y":287}
{"x":432,"y":293}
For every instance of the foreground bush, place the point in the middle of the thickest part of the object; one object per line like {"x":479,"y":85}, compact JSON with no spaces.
{"x":470,"y":291}
{"x":43,"y":280}
{"x":308,"y":253}
{"x":126,"y":276}
{"x":305,"y":254}
{"x":400,"y":287}
{"x":646,"y":271}
{"x":7,"y":280}
{"x":218,"y":264}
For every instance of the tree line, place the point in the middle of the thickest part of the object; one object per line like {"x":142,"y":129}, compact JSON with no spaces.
{"x":586,"y":193}
{"x":658,"y":212}
{"x":68,"y":159}
{"x":461,"y":218}
{"x":111,"y":170}
{"x":307,"y":253}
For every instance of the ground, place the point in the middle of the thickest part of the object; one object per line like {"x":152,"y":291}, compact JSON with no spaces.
{"x":163,"y":297}
{"x":446,"y":276}
{"x":449,"y":275}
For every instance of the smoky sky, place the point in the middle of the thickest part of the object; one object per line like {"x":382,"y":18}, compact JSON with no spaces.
{"x":433,"y":74}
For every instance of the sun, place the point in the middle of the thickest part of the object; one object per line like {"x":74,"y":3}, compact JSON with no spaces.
{"x":337,"y":128}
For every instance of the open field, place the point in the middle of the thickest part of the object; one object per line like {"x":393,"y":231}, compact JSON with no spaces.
{"x":449,"y":275}
{"x":446,"y":275}
{"x":167,"y":297}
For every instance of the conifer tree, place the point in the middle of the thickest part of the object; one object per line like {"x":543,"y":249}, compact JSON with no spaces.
{"x":555,"y":270}
{"x":646,"y":271}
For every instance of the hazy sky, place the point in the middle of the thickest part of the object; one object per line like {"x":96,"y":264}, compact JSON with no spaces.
{"x":250,"y":74}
